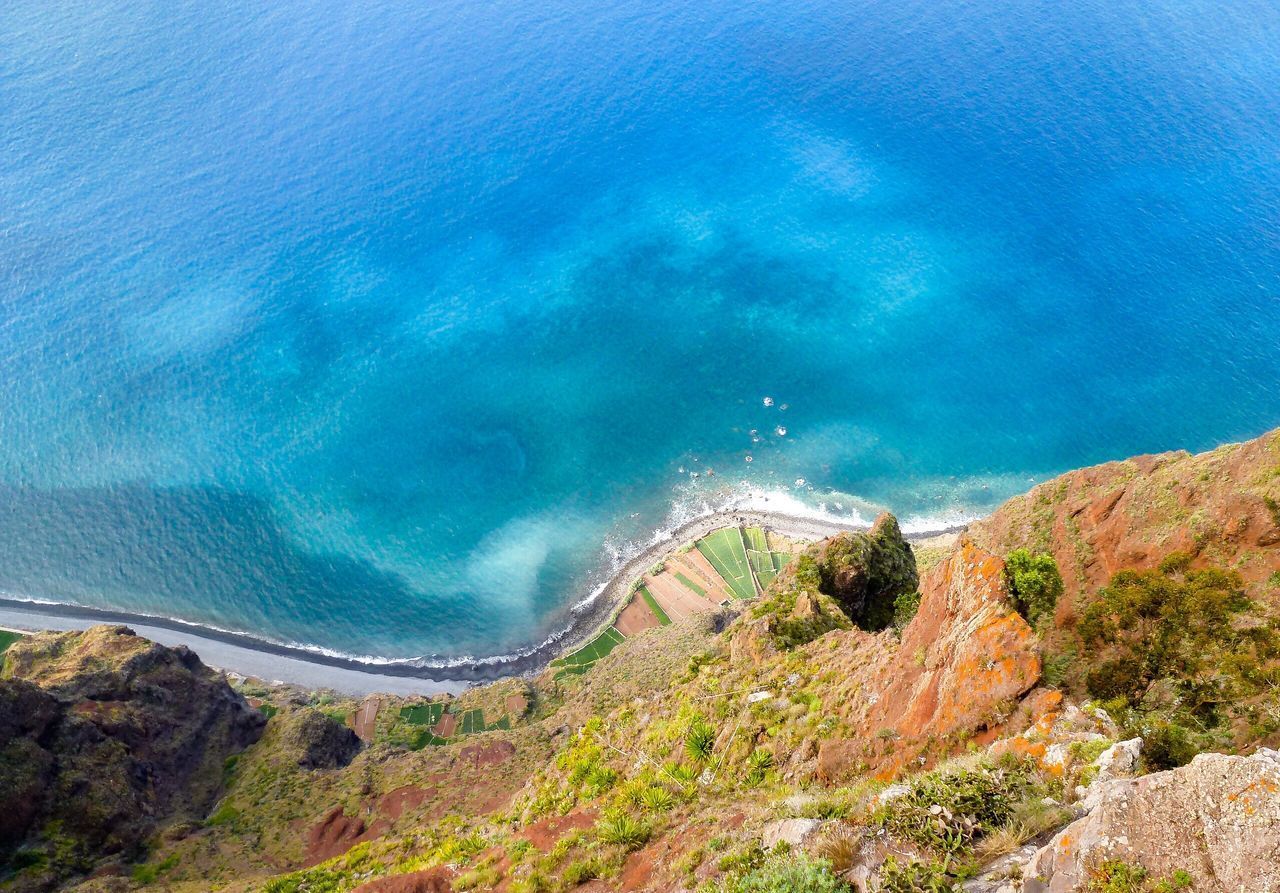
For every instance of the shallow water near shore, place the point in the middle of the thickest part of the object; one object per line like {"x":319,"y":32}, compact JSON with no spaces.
{"x":393,"y":330}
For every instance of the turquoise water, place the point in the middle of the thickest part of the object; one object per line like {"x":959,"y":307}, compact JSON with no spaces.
{"x":388,"y":330}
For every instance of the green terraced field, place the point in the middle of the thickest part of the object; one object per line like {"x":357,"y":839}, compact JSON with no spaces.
{"x":581,"y":660}
{"x":7,"y":639}
{"x":656,"y":608}
{"x":690,"y":585}
{"x":422,"y":714}
{"x":727,"y":554}
{"x":424,"y":738}
{"x":472,"y":722}
{"x":759,"y":555}
{"x":755,"y":539}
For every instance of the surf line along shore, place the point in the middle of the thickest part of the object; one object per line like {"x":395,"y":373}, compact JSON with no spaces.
{"x":275,"y":662}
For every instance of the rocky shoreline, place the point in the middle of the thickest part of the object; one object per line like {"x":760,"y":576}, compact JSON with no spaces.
{"x":274,"y":662}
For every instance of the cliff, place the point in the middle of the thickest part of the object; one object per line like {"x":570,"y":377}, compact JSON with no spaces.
{"x":104,"y":739}
{"x":1078,"y":694}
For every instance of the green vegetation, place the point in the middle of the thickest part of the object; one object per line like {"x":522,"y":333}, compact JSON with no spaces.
{"x":786,"y":874}
{"x":759,"y":555}
{"x":699,"y":741}
{"x":905,"y":607}
{"x":422,"y":714}
{"x":581,"y":660}
{"x":656,"y":608}
{"x":949,"y":810}
{"x":912,"y":876}
{"x":725,"y":550}
{"x":6,"y":639}
{"x":1176,"y":655}
{"x":472,"y":722}
{"x":150,"y":873}
{"x":624,"y":831}
{"x":1034,"y":584}
{"x":691,"y":585}
{"x":866,"y":573}
{"x":1116,"y":876}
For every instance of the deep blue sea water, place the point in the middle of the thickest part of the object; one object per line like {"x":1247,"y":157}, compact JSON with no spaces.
{"x":385,"y":327}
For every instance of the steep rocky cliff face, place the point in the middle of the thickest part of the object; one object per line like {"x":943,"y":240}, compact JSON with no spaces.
{"x":958,"y":668}
{"x":1222,"y":507}
{"x":944,"y":750}
{"x":104,"y":738}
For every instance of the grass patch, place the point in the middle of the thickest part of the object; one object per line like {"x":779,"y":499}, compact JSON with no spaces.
{"x":578,"y":662}
{"x":656,"y":608}
{"x":6,"y":639}
{"x":689,"y":584}
{"x":472,"y":722}
{"x":725,"y":550}
{"x":422,"y":714}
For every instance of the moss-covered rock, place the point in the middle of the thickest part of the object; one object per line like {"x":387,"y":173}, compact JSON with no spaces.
{"x":866,"y":572}
{"x":316,"y":741}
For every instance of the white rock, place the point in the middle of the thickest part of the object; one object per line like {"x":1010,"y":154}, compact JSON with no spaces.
{"x":794,"y":832}
{"x":1119,"y":760}
{"x":891,"y":793}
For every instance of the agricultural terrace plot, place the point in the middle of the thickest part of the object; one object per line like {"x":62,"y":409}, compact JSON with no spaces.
{"x":645,"y":594}
{"x":727,"y":554}
{"x":7,"y":639}
{"x":581,"y":660}
{"x":422,"y":714}
{"x":689,"y":584}
{"x":759,"y":555}
{"x":472,"y":722}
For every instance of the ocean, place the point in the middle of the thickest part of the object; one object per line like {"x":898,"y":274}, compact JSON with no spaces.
{"x":390,"y":328}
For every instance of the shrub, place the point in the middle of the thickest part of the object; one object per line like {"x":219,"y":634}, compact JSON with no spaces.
{"x":758,"y":766}
{"x":947,"y":810}
{"x":581,"y":871}
{"x":699,"y":741}
{"x":1115,"y":876}
{"x":1034,"y":584}
{"x":786,"y":874}
{"x":1177,"y":655}
{"x":657,"y":799}
{"x":1190,"y":640}
{"x":914,"y":877}
{"x":626,"y":832}
{"x":1167,"y":745}
{"x":905,"y":607}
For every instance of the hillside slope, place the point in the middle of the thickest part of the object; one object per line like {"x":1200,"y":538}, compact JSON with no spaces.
{"x":868,"y":721}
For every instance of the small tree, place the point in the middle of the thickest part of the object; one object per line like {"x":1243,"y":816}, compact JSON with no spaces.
{"x":1034,"y":584}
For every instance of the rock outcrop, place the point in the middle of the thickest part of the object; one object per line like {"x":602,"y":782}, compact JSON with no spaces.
{"x":963,"y":659}
{"x":865,"y":572}
{"x":1217,"y":819}
{"x":316,"y":741}
{"x":104,"y":737}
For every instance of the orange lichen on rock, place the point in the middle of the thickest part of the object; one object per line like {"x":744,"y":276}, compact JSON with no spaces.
{"x":1129,"y":515}
{"x":964,"y":659}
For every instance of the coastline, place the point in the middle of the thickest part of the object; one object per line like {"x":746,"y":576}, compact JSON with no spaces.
{"x":274,"y":662}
